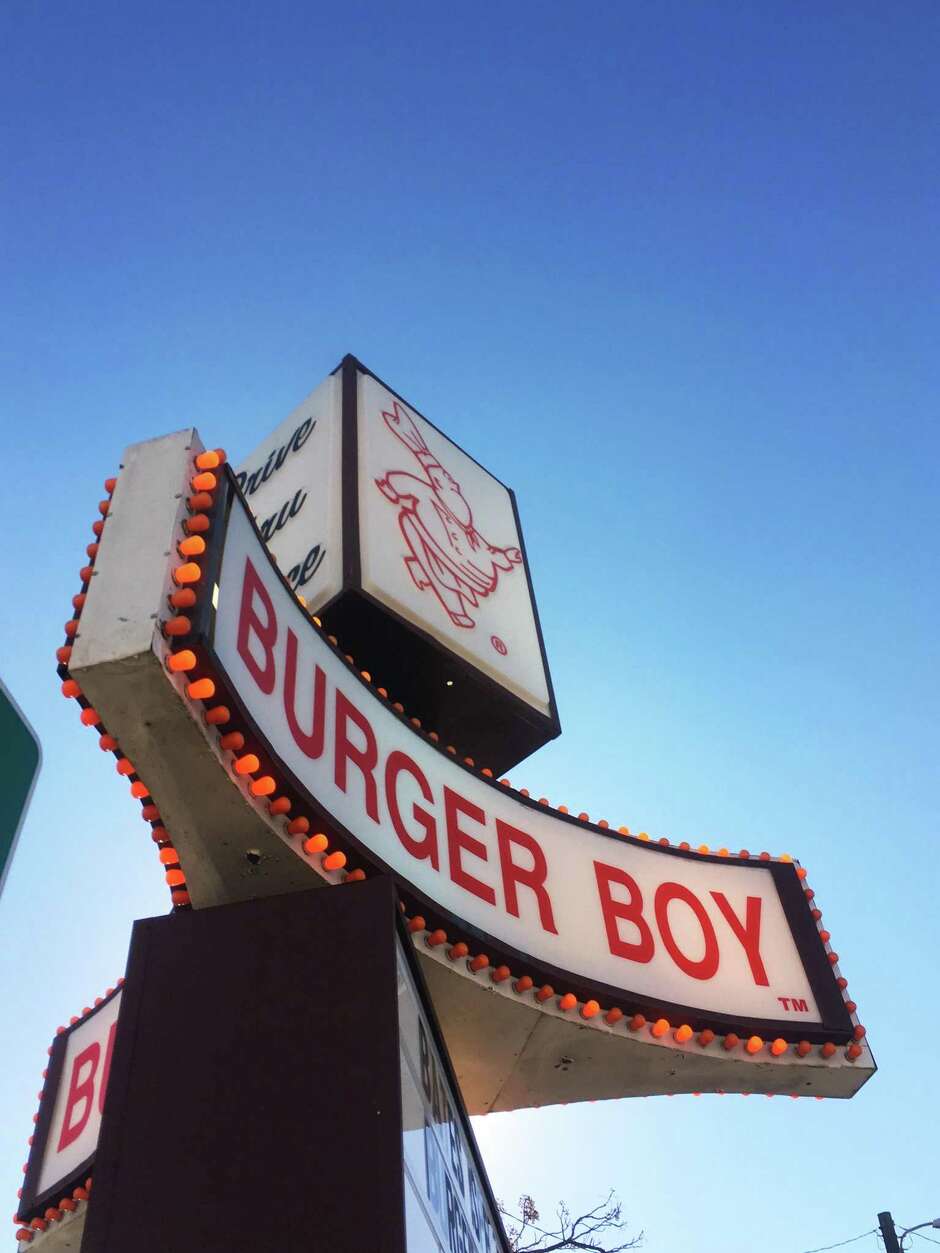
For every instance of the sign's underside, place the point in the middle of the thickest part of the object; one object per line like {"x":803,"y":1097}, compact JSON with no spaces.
{"x":524,"y":1028}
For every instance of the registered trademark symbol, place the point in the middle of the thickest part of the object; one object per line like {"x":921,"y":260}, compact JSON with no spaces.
{"x":499,"y":645}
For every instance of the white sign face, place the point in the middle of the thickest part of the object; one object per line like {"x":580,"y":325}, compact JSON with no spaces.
{"x":292,"y":484}
{"x":447,"y":1209}
{"x":706,"y":933}
{"x":79,"y":1098}
{"x":439,"y":544}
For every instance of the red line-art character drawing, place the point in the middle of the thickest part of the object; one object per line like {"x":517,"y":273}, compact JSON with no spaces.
{"x":446,"y":553}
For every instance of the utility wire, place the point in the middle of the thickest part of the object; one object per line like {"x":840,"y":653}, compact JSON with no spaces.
{"x":841,"y":1243}
{"x":823,"y":1248}
{"x":929,"y":1239}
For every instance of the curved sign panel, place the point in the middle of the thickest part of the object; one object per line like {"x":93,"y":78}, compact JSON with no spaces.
{"x":264,"y":760}
{"x":722,"y":940}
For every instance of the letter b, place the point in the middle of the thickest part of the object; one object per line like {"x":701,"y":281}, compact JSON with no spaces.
{"x":264,"y":631}
{"x":81,"y":1093}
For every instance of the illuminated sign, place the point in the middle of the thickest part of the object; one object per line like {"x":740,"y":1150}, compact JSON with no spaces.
{"x":719,"y":937}
{"x":70,"y":1108}
{"x":265,"y":756}
{"x":404,"y":545}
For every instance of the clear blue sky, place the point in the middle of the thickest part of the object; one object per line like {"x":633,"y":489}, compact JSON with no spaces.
{"x":669,"y":270}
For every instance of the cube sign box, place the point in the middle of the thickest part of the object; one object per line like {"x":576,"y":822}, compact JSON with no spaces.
{"x":411,"y":553}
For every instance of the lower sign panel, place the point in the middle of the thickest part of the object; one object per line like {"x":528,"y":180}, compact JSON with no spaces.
{"x":70,"y":1110}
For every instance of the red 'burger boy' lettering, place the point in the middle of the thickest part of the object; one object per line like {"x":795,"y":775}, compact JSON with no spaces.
{"x":694,"y":930}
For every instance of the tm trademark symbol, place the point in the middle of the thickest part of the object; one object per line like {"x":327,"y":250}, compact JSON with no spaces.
{"x":499,"y":645}
{"x":795,"y":1004}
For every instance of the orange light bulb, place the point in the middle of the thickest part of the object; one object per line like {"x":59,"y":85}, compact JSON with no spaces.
{"x":187,"y":573}
{"x":185,"y":598}
{"x":191,"y":546}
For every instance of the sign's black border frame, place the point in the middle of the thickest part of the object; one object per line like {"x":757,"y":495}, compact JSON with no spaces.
{"x":32,"y":1204}
{"x":835,"y":1022}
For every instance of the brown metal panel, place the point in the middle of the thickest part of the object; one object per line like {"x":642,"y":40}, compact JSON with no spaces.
{"x":254,"y":1099}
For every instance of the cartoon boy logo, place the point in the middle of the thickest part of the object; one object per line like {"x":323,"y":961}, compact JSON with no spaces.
{"x":447,"y":554}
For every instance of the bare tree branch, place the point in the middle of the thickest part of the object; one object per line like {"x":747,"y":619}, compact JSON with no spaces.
{"x":590,"y":1231}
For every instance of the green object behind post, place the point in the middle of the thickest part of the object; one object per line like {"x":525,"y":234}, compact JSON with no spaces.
{"x":20,"y":756}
